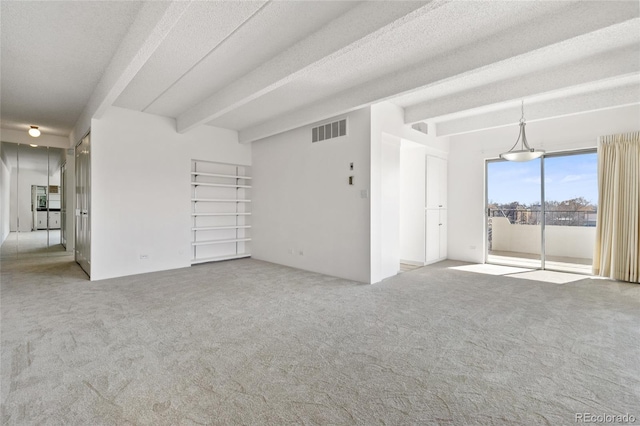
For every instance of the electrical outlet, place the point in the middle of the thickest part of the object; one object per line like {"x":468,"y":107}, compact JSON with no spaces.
{"x":144,"y":257}
{"x":472,"y":247}
{"x":301,"y":252}
{"x":290,"y":251}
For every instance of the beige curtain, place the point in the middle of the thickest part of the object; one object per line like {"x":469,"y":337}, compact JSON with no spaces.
{"x":617,"y":248}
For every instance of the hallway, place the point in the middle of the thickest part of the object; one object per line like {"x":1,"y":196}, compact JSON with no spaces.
{"x":28,"y":245}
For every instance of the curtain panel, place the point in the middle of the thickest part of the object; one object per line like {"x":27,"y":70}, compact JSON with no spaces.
{"x":617,"y":247}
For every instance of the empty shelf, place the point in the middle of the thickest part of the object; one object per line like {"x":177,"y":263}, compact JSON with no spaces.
{"x":222,"y":214}
{"x":222,"y":185}
{"x":219,"y":200}
{"x":204,"y":243}
{"x":220,"y":175}
{"x":213,"y":228}
{"x":219,"y":258}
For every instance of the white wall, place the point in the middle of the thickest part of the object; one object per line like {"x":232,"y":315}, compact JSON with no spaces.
{"x":468,"y":152}
{"x":387,"y":120}
{"x":5,"y":200}
{"x":412,"y":202}
{"x":305,"y":214}
{"x":140,"y":185}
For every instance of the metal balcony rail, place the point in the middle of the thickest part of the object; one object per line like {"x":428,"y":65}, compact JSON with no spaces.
{"x":552,"y":217}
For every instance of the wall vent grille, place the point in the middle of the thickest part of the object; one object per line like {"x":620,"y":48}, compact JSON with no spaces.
{"x":329,"y":131}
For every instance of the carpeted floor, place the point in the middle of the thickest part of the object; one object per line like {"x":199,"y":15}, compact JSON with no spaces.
{"x":249,"y":342}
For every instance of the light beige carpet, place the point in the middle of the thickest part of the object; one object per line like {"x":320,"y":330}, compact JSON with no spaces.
{"x":249,"y":342}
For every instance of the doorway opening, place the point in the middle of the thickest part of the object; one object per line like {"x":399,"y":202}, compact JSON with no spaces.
{"x":31,"y":194}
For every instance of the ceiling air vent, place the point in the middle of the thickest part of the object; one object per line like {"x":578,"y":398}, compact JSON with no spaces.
{"x":329,"y":131}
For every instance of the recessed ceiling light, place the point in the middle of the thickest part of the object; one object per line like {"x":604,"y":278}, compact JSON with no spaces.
{"x":34,"y":132}
{"x":33,"y":145}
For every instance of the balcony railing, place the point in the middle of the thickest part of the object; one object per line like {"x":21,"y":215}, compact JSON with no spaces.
{"x":568,"y":234}
{"x":553,"y":217}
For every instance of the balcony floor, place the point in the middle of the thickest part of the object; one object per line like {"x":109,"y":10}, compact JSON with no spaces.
{"x":555,"y":263}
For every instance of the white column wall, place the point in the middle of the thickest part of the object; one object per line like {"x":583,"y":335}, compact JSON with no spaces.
{"x":387,"y":119}
{"x":468,"y":152}
{"x":412,"y":202}
{"x":140,"y":189}
{"x":305,"y":213}
{"x":390,"y":205}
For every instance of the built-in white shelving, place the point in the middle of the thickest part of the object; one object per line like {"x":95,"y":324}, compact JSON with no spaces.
{"x":220,"y":200}
{"x":209,"y":228}
{"x":221,"y":214}
{"x":219,"y":175}
{"x":206,"y":243}
{"x":219,"y":258}
{"x":219,"y":185}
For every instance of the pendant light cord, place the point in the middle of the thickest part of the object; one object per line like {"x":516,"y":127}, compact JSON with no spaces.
{"x":521,"y":129}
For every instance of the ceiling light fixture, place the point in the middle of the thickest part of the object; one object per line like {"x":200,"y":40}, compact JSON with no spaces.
{"x":34,"y":132}
{"x":33,"y":145}
{"x":526,"y":153}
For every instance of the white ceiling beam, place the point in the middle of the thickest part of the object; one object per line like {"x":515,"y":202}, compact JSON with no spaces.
{"x":152,"y":24}
{"x":355,"y":28}
{"x":465,"y":61}
{"x":191,"y":41}
{"x":607,"y":65}
{"x":606,"y":98}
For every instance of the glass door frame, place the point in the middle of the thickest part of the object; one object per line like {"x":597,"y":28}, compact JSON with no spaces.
{"x":542,"y":202}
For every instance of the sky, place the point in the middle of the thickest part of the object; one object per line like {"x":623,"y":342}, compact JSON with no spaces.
{"x":566,"y":177}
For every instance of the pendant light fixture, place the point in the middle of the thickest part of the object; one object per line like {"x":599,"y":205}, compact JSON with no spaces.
{"x":525,"y":153}
{"x":34,"y":131}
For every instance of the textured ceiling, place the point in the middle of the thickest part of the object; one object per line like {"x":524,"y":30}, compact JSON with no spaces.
{"x":262,"y":67}
{"x":53,"y":54}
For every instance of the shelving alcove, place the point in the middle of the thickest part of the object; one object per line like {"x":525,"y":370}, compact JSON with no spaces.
{"x":220,"y":211}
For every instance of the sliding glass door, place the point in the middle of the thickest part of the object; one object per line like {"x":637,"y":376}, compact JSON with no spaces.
{"x":514,"y":222}
{"x":541,"y":213}
{"x":571,"y":202}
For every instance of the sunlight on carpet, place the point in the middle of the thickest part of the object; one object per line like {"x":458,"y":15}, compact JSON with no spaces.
{"x":522,"y":273}
{"x":550,"y":276}
{"x":490,"y":269}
